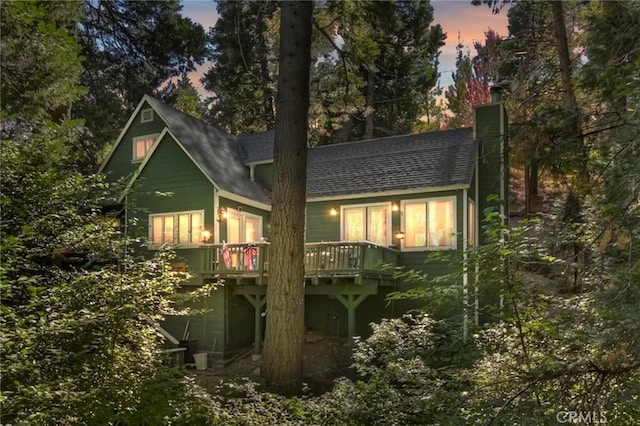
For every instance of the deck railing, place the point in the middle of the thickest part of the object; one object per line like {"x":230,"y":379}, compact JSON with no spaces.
{"x":239,"y":258}
{"x":325,"y":259}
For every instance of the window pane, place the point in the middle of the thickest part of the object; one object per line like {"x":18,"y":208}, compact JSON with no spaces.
{"x":196,"y":228}
{"x":354,"y":222}
{"x":378,"y":225}
{"x":251,"y":230}
{"x":148,"y":143}
{"x":168,"y":229}
{"x":233,"y":228}
{"x":183,"y":229}
{"x":156,"y":230}
{"x":440,"y":223}
{"x":140,"y":148}
{"x":415,"y":225}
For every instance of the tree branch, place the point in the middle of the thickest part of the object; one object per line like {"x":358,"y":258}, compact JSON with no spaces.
{"x":337,"y":48}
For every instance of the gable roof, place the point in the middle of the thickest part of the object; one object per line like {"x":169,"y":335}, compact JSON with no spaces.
{"x":216,"y":153}
{"x":438,"y":159}
{"x":426,"y":160}
{"x":441,"y":159}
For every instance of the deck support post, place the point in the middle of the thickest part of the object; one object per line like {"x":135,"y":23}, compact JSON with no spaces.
{"x":351,"y":302}
{"x":258,"y":301}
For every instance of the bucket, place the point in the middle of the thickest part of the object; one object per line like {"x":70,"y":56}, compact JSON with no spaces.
{"x":200,"y":360}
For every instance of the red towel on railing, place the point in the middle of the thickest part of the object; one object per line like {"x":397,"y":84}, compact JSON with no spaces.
{"x":226,"y":255}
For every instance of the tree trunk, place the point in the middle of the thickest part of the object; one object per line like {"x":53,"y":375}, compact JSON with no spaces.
{"x":562,"y":44}
{"x":570,"y":102}
{"x":527,"y":192}
{"x":284,"y":338}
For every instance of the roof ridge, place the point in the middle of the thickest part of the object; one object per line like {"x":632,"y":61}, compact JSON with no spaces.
{"x":391,"y":137}
{"x":189,"y":117}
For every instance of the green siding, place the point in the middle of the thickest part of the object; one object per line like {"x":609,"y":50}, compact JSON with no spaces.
{"x":327,"y":314}
{"x":186,"y":189}
{"x":240,"y":322}
{"x":207,"y":327}
{"x":263,"y":174}
{"x":492,"y":137}
{"x":120,"y":163}
{"x":321,"y":226}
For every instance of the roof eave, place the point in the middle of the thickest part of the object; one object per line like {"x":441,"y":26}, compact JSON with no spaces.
{"x":391,"y":193}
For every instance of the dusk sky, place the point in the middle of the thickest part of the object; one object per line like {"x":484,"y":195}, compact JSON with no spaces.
{"x":455,"y":16}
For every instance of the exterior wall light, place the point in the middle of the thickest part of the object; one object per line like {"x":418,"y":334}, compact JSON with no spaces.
{"x":400,"y":235}
{"x":222,"y":213}
{"x":333,"y":211}
{"x":205,"y":236}
{"x":395,"y":207}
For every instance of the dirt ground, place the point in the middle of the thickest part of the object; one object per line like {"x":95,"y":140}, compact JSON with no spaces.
{"x":325,"y":358}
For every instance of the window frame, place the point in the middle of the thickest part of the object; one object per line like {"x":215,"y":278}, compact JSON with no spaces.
{"x":366,"y":207}
{"x":471,"y":223}
{"x":144,"y":112}
{"x":425,"y":201}
{"x":136,"y":159}
{"x":176,"y":228}
{"x":242,"y":226}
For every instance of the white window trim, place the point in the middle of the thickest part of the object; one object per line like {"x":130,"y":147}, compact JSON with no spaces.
{"x":176,"y":225}
{"x":365,"y":206}
{"x":471,"y":219}
{"x":144,"y":112}
{"x":135,"y":159}
{"x":403,"y":203}
{"x":243,"y":231}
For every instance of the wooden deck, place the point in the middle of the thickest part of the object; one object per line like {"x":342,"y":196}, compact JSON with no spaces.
{"x":348,"y":270}
{"x":325,"y":262}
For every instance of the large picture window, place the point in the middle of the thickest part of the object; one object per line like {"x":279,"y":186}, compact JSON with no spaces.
{"x":430,"y":223}
{"x":142,"y":145}
{"x":367,"y":223}
{"x":176,"y":228}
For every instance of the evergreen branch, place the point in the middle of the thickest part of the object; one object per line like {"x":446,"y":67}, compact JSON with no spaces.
{"x":341,"y":52}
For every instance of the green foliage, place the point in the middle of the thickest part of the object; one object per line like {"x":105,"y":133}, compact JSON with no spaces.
{"x":473,"y":78}
{"x":394,"y":48}
{"x":393,"y":41}
{"x":406,"y":373}
{"x":555,"y":351}
{"x":242,"y":78}
{"x":40,"y":63}
{"x":613,"y":54}
{"x":131,"y":50}
{"x":77,"y":308}
{"x":184,"y":97}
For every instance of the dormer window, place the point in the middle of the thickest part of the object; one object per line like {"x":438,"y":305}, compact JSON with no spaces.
{"x":146,"y":115}
{"x":142,"y":145}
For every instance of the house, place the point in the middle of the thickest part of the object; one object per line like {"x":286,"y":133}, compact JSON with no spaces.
{"x":372,"y":206}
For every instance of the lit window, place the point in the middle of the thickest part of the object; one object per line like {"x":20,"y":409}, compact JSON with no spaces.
{"x":142,"y":145}
{"x":176,"y":228}
{"x":146,"y":115}
{"x":243,"y":227}
{"x":430,"y":223}
{"x":367,"y":223}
